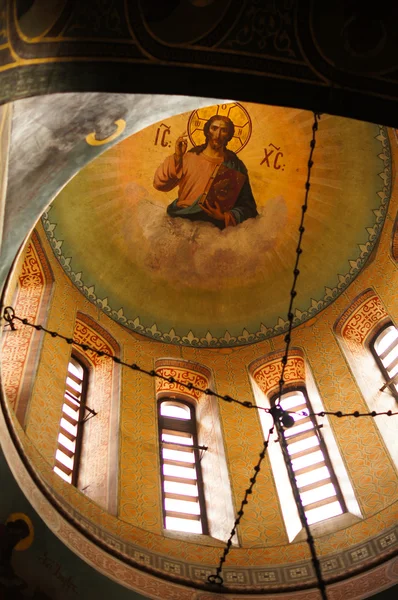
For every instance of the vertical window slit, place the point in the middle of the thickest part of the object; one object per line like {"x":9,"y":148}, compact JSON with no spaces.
{"x":182,"y":487}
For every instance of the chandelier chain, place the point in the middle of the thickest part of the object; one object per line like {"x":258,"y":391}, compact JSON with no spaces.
{"x":301,"y":511}
{"x":217,"y":579}
{"x":10,"y":317}
{"x":275,"y":412}
{"x":299,"y":252}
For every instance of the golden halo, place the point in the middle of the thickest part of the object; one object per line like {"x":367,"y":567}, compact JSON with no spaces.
{"x":235,"y":111}
{"x":26,"y":542}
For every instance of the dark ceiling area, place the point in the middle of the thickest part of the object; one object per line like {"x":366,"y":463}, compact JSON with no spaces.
{"x":336,"y":58}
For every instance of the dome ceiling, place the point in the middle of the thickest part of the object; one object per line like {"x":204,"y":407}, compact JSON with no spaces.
{"x":189,"y":282}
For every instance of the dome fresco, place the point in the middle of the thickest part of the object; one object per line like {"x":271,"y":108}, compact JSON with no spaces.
{"x":158,"y":254}
{"x":124,"y":233}
{"x":135,"y":238}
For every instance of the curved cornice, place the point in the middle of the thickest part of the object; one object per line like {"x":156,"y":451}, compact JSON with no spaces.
{"x":289,"y":55}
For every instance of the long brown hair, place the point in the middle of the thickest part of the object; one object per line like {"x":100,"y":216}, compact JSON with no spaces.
{"x":206,"y":128}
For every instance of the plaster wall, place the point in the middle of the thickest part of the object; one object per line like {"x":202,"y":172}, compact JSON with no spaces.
{"x":5,"y":124}
{"x":367,"y":461}
{"x":317,"y":64}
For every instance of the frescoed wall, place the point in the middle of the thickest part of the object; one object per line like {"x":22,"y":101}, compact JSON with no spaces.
{"x":5,"y":122}
{"x":96,"y":69}
{"x":156,"y":247}
{"x":46,"y":569}
{"x":32,"y":293}
{"x":138,"y":525}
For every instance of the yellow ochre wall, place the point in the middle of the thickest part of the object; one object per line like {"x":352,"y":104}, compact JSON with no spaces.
{"x":369,"y":465}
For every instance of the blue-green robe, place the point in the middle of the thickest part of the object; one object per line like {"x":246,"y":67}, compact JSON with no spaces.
{"x":245,"y":206}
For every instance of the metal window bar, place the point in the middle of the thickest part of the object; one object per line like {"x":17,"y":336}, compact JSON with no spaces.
{"x":188,"y":495}
{"x":67,"y":460}
{"x":391,"y":382}
{"x":178,"y":445}
{"x":392,"y":364}
{"x":320,"y":467}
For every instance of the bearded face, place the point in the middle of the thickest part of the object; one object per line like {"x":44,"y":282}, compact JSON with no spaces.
{"x":218,"y":135}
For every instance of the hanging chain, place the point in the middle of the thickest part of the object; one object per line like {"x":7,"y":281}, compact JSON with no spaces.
{"x":10,"y":317}
{"x":299,"y":251}
{"x":217,"y":579}
{"x":278,"y":410}
{"x":339,"y":413}
{"x":300,"y":508}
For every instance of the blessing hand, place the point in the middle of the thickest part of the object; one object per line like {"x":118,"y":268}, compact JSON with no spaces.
{"x":181,"y":146}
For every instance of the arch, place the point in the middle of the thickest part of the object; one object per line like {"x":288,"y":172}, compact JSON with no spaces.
{"x":217,"y":488}
{"x":394,"y":241}
{"x":265,"y":373}
{"x":361,"y":319}
{"x":184,"y":506}
{"x":355,"y":331}
{"x":98,"y":471}
{"x":182,"y":371}
{"x":31,"y":287}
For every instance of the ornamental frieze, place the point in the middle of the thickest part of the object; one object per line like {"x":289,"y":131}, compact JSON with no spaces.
{"x":183,"y":374}
{"x":363,"y":319}
{"x":268,"y":374}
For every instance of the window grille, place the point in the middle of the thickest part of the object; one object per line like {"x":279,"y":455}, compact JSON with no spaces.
{"x":182,"y":485}
{"x":70,"y":430}
{"x":385,"y":350}
{"x":318,"y":486}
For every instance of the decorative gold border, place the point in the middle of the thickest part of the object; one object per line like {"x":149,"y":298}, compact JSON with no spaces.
{"x":246,"y":337}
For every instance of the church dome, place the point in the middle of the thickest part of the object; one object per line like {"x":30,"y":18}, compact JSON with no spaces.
{"x":132,"y":265}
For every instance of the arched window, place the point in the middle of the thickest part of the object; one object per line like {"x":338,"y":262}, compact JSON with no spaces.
{"x":72,"y":420}
{"x":318,"y":486}
{"x":367,"y":336}
{"x":182,"y":486}
{"x":324,"y":485}
{"x":384,"y":347}
{"x":201,"y":428}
